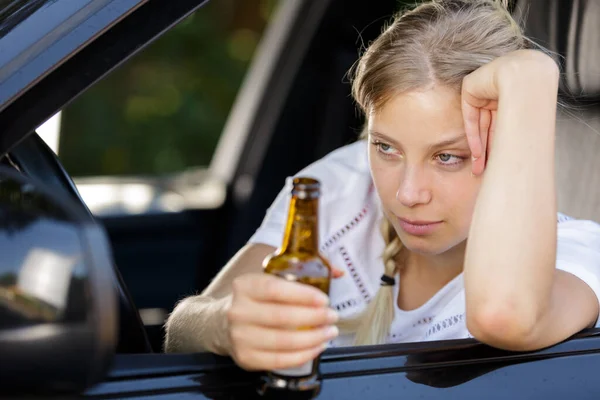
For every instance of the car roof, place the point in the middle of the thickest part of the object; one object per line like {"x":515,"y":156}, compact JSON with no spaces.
{"x":52,"y":50}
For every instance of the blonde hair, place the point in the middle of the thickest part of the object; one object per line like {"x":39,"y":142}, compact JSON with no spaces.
{"x":438,"y":42}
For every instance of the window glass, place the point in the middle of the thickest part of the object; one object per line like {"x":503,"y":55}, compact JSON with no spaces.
{"x":163,"y":111}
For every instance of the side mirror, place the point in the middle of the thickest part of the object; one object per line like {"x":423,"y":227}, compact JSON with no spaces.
{"x":58,"y":305}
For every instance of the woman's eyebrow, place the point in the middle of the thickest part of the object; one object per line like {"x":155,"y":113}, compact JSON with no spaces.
{"x":385,"y":138}
{"x":461,"y":139}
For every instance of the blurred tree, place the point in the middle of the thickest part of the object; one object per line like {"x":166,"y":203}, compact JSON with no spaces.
{"x":164,"y":110}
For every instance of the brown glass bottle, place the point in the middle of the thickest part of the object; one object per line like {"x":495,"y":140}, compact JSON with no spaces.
{"x":298,"y":259}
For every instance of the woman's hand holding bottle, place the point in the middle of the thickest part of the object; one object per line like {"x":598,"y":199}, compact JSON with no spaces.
{"x":265,"y":320}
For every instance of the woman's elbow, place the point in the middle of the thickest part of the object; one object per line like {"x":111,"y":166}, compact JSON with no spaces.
{"x":503,"y":327}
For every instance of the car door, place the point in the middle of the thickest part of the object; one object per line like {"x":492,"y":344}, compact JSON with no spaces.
{"x":457,"y":369}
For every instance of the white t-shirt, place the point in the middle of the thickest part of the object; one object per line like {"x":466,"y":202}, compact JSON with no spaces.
{"x":349,"y":219}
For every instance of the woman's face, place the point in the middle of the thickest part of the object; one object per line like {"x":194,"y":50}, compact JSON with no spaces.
{"x":421,"y":166}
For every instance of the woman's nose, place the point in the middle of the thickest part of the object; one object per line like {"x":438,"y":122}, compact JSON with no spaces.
{"x":414,"y":188}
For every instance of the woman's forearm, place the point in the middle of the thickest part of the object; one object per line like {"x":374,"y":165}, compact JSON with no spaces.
{"x":510,"y":259}
{"x":198,"y":324}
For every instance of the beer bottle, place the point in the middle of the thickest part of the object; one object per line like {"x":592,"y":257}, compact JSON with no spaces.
{"x":298,"y":260}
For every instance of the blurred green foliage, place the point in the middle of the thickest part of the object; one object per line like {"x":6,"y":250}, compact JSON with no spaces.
{"x":164,"y":110}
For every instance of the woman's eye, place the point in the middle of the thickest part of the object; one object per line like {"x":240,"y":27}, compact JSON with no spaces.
{"x":384,"y":148}
{"x":445,"y":157}
{"x":449,"y":159}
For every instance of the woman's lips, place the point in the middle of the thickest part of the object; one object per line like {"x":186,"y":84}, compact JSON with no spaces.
{"x":418,"y":228}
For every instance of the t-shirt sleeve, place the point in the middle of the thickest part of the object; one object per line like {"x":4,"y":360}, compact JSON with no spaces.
{"x":272,"y":227}
{"x":578,"y":251}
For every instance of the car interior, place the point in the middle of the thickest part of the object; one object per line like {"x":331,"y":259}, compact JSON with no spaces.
{"x":571,"y":30}
{"x":160,"y":259}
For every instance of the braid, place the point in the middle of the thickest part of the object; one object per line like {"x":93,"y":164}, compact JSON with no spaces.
{"x":393,"y":245}
{"x":373,"y":325}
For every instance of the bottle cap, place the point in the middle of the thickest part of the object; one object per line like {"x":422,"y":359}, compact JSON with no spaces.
{"x":305,"y":187}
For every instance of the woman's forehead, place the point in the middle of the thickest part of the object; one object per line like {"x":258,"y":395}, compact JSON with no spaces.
{"x":425,"y":116}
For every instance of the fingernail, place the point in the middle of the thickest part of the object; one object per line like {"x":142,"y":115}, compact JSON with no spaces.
{"x":331,"y":331}
{"x":474,"y":158}
{"x":332,"y":316}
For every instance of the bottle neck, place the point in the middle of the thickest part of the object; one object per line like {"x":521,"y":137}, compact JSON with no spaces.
{"x":302,"y":229}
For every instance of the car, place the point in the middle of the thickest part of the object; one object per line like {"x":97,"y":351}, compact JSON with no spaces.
{"x":293,"y":108}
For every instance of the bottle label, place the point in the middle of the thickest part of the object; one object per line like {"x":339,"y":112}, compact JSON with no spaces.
{"x":302,"y":370}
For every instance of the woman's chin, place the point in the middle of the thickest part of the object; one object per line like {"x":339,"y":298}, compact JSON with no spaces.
{"x":431,"y":246}
{"x":419,"y":246}
{"x":423,"y":250}
{"x":424,"y":246}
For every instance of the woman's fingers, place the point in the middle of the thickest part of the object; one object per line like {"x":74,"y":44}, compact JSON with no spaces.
{"x":274,"y":323}
{"x":471,"y":122}
{"x":279,"y":315}
{"x":272,"y":289}
{"x":253,"y":359}
{"x":491,"y":133}
{"x":269,"y":339}
{"x":485,"y":120}
{"x":479,"y":97}
{"x":337,"y":273}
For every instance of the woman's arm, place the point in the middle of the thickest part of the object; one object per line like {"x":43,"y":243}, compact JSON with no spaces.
{"x":247,"y":314}
{"x":515,"y":297}
{"x":199,"y":323}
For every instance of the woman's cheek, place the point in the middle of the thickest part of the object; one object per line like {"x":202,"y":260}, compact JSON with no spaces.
{"x":463,"y":192}
{"x":459,"y":187}
{"x":386,"y":181}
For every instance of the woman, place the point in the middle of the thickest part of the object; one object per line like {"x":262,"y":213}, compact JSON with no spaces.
{"x":459,"y":148}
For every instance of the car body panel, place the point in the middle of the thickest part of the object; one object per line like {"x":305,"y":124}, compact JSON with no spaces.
{"x":43,"y":39}
{"x":451,"y":369}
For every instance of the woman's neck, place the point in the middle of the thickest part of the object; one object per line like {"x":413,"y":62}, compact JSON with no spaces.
{"x":422,"y":276}
{"x":436,"y":269}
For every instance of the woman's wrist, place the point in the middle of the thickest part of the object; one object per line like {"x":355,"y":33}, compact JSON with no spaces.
{"x":527,"y":104}
{"x":221,"y":343}
{"x":533,"y":76}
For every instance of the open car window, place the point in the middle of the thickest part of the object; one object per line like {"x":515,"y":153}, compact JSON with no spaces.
{"x":140,"y":140}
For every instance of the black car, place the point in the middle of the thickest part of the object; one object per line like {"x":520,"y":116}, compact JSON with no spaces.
{"x":293,"y":108}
